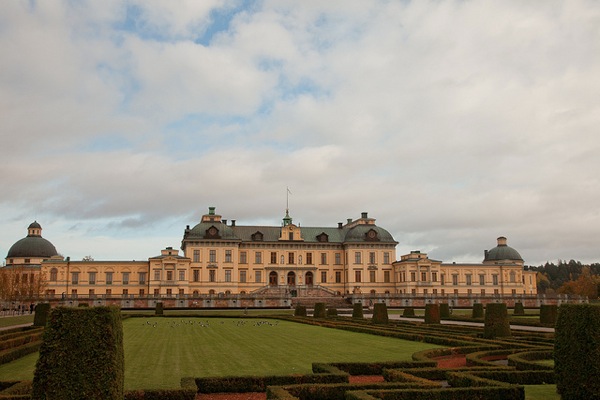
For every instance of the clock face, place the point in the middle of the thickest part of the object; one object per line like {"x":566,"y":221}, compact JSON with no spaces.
{"x":372,"y":234}
{"x":212,"y":231}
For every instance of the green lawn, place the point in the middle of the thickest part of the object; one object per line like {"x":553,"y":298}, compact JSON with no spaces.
{"x":17,"y":320}
{"x":541,"y":392}
{"x":157,"y":357}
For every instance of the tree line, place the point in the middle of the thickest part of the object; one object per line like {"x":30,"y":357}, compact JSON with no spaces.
{"x":570,"y":277}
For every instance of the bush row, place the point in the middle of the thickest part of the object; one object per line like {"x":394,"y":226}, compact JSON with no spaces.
{"x":373,"y":368}
{"x":9,"y":355}
{"x":475,"y":393}
{"x":336,"y":391}
{"x":20,"y":340}
{"x":243,"y":384}
{"x":160,"y":394}
{"x":523,"y":361}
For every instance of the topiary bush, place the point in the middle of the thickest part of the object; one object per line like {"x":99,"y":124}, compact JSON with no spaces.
{"x":332,"y":312}
{"x":548,"y":314}
{"x":519,"y":309}
{"x":577,"y":351}
{"x":432,"y":313}
{"x":320,"y":310}
{"x":159,"y":310}
{"x":300,"y":311}
{"x":496,"y":322}
{"x":357,"y":311}
{"x":380,"y":314}
{"x":444,"y":310}
{"x":477,"y":310}
{"x":41,"y":314}
{"x":81,"y":355}
{"x":408,"y":312}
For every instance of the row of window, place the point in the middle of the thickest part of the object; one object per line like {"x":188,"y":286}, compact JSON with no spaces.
{"x":469,"y":292}
{"x":291,"y":257}
{"x":455,"y":281}
{"x":108,"y":278}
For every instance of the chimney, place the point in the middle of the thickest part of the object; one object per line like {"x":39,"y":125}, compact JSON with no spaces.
{"x":349,"y":220}
{"x":364,"y":215}
{"x":211,"y":210}
{"x":340,"y":225}
{"x":224,"y":221}
{"x":233,"y":222}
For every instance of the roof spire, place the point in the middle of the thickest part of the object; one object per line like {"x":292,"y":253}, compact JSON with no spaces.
{"x":287,"y":220}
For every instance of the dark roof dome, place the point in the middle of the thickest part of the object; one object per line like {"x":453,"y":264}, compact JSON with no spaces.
{"x":32,"y":246}
{"x":362,"y":232}
{"x":502,"y":252}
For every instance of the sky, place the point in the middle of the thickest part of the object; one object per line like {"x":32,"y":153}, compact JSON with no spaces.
{"x":450,"y":122}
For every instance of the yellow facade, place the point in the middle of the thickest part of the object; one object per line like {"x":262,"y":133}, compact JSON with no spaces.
{"x":223,"y":258}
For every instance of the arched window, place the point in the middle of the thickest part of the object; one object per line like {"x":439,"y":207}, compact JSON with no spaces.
{"x":53,"y":275}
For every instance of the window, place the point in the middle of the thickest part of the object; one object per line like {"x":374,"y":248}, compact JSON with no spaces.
{"x":108,"y":292}
{"x":434,"y":291}
{"x":483,"y":292}
{"x":443,"y":292}
{"x":74,"y":278}
{"x":142,"y":278}
{"x":156,"y":292}
{"x":513,"y":277}
{"x":423,"y":276}
{"x":74,"y":293}
{"x":242,"y":276}
{"x":386,"y":276}
{"x":469,"y":291}
{"x":482,"y":279}
{"x":243,"y":257}
{"x":227,"y":275}
{"x":371,"y":257}
{"x":125,"y":278}
{"x":196,"y":275}
{"x":92,"y":278}
{"x":290,"y":235}
{"x":212,"y":256}
{"x":273,"y":257}
{"x":182,"y":275}
{"x":169,"y":292}
{"x":455,"y":279}
{"x":514,"y":292}
{"x":290,"y":258}
{"x":496,"y":291}
{"x":323,"y":258}
{"x":257,"y":276}
{"x":386,"y":257}
{"x":125,"y":292}
{"x":413,"y":276}
{"x":456,"y":292}
{"x":338,"y":258}
{"x":357,"y":276}
{"x":495,"y":279}
{"x":212,"y":275}
{"x":338,"y":276}
{"x":169,"y":275}
{"x":403,"y":276}
{"x":53,"y":275}
{"x":323,"y":276}
{"x":181,"y":292}
{"x":227,"y":256}
{"x":425,"y":291}
{"x":443,"y":279}
{"x":309,"y":259}
{"x":434,"y":276}
{"x":109,"y":278}
{"x":372,"y":276}
{"x":92,"y":293}
{"x":357,"y":257}
{"x":468,"y":278}
{"x":196,"y":256}
{"x":157,"y":274}
{"x":258,"y":257}
{"x":142,"y":292}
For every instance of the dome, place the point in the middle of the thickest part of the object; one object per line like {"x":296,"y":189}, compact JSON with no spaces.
{"x":502,"y":252}
{"x":223,"y":231}
{"x":361,"y":232}
{"x":32,"y":246}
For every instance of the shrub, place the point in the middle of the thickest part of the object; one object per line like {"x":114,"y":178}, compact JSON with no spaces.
{"x":357,"y":311}
{"x":432,"y":313}
{"x":548,"y":314}
{"x":496,"y":321}
{"x":300,"y":311}
{"x":519,"y":309}
{"x":81,"y":355}
{"x":161,"y":394}
{"x":577,"y":351}
{"x":380,"y":314}
{"x":320,"y":311}
{"x":408,"y":312}
{"x":444,"y":310}
{"x":41,"y":314}
{"x":159,"y":308}
{"x":477,"y":310}
{"x":332,"y":312}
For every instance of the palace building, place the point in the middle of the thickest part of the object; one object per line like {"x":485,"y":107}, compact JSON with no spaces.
{"x":224,"y":258}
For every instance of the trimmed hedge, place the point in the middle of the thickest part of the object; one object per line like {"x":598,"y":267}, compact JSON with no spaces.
{"x":81,"y":355}
{"x":577,"y":351}
{"x":380,"y":314}
{"x":477,"y":310}
{"x":332,"y":312}
{"x":161,"y":394}
{"x":372,"y":368}
{"x":331,"y":391}
{"x":444,"y":310}
{"x":408,"y":312}
{"x":523,"y":361}
{"x":519,"y":309}
{"x":41,"y":314}
{"x":244,"y":384}
{"x":300,"y":311}
{"x":496,"y":322}
{"x":432,"y":313}
{"x":320,"y":310}
{"x":357,"y":311}
{"x":461,"y":393}
{"x":9,"y":355}
{"x":159,"y":310}
{"x":548,"y":314}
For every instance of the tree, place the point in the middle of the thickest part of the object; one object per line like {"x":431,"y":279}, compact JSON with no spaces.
{"x":21,"y":283}
{"x":585,"y":285}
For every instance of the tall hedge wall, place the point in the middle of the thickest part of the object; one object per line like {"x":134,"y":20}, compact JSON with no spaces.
{"x":577,"y":351}
{"x":477,"y":310}
{"x":41,"y":314}
{"x":496,"y":322}
{"x":300,"y":311}
{"x":432,"y":313}
{"x":380,"y":314}
{"x":159,"y":308}
{"x":444,"y":310}
{"x":519,"y":309}
{"x":81,"y":355}
{"x":320,"y":310}
{"x":548,"y":314}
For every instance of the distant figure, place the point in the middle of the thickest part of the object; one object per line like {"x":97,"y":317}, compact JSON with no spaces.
{"x":31,"y":308}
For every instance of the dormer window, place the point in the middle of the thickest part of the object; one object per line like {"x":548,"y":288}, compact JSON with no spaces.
{"x":212,"y":233}
{"x":257,"y":236}
{"x":371,"y":236}
{"x":323,"y":237}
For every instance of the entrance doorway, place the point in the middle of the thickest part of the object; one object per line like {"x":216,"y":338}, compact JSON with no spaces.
{"x":273,"y":278}
{"x":291,"y":278}
{"x":309,"y":278}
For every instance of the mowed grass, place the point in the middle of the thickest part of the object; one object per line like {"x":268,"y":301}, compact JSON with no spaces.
{"x":541,"y":392}
{"x":160,"y":351}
